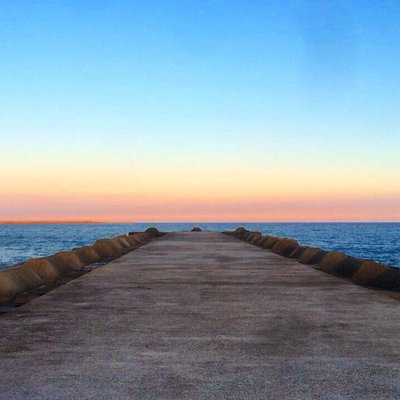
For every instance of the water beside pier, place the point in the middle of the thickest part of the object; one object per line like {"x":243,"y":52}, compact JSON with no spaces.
{"x":376,"y":241}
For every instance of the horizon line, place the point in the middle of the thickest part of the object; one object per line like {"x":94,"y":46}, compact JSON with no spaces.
{"x":46,"y":221}
{"x":54,"y":222}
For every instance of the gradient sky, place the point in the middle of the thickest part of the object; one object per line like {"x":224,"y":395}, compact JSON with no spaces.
{"x":200,"y":110}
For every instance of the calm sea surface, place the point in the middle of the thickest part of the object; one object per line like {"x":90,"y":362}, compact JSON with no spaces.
{"x":375,"y":241}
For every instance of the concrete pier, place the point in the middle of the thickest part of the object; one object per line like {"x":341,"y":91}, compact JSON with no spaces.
{"x":202,"y":316}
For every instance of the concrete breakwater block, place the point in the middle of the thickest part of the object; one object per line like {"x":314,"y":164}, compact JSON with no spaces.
{"x":312,"y":256}
{"x":298,"y":251}
{"x":260,"y":240}
{"x":153,"y":232}
{"x":67,"y":260}
{"x":373,"y":274}
{"x":103,"y":249}
{"x":388,"y":279}
{"x":249,"y":235}
{"x":16,"y":280}
{"x":254,"y":237}
{"x":331,"y":260}
{"x":284,"y":246}
{"x":368,"y":272}
{"x":143,"y":237}
{"x":87,"y":254}
{"x":135,"y":239}
{"x":270,"y":242}
{"x":246,"y":235}
{"x":337,"y":263}
{"x":239,"y":231}
{"x":44,"y":268}
{"x":115,"y":245}
{"x":124,"y":242}
{"x":39,"y":272}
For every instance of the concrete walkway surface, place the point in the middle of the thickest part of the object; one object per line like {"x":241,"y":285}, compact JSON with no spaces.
{"x":202,"y":316}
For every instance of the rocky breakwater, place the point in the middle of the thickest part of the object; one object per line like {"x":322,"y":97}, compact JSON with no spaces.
{"x":42,"y":274}
{"x":359,"y":271}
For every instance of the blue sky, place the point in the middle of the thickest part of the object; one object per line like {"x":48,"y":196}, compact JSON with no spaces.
{"x":310,"y":88}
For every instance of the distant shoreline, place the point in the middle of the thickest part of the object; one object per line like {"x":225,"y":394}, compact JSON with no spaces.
{"x":47,"y":222}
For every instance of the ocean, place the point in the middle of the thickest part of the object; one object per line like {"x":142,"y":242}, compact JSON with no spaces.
{"x":375,"y":241}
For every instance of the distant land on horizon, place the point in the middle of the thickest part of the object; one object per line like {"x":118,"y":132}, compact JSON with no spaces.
{"x":50,"y":222}
{"x":55,"y":222}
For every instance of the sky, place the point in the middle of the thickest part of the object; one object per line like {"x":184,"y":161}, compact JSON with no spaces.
{"x":200,"y":110}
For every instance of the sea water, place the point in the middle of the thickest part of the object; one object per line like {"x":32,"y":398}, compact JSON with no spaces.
{"x":374,"y":241}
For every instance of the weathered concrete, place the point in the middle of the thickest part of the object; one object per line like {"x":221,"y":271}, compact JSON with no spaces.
{"x":203,"y":316}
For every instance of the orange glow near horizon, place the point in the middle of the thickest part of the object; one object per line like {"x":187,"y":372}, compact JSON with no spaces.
{"x":131,"y":209}
{"x":185,"y":191}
